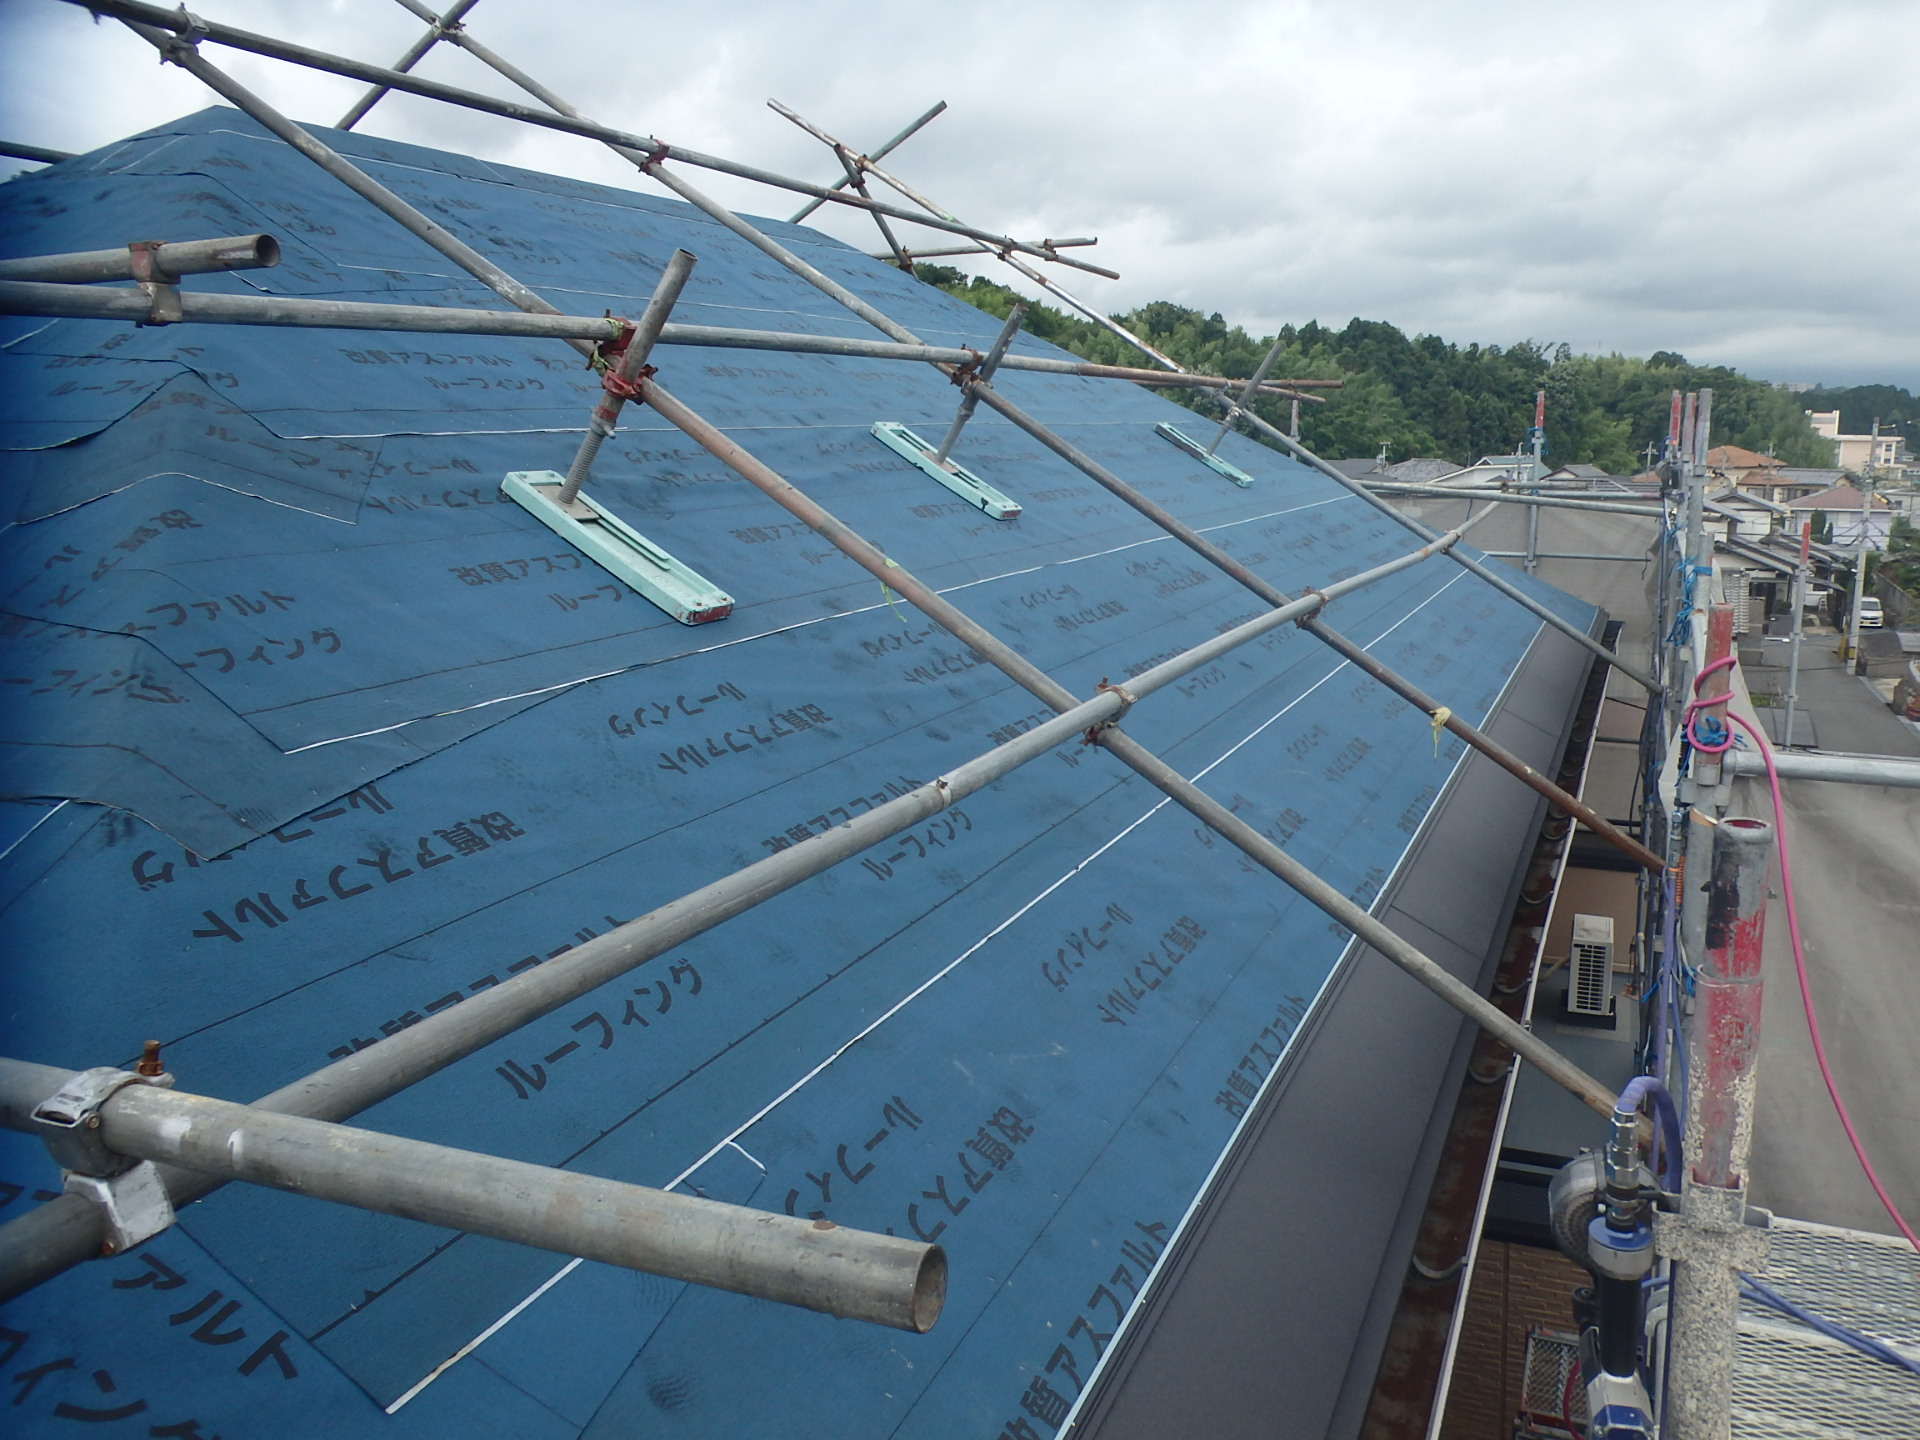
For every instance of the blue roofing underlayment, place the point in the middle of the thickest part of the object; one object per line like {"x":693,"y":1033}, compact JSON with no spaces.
{"x":311,"y":733}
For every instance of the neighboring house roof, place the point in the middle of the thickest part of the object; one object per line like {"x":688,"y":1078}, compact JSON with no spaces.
{"x":1841,"y":497}
{"x":1734,"y":495}
{"x":1823,"y":478}
{"x":1364,"y":465}
{"x":1421,"y":470}
{"x":1735,"y":457}
{"x":358,"y":739}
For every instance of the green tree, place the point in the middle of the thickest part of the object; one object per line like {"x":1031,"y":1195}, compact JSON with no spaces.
{"x":1429,"y":396}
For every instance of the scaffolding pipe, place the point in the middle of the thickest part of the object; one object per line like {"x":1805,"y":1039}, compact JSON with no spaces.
{"x":1799,"y":602}
{"x":865,"y":163}
{"x":1273,"y":595}
{"x":1715,"y":1238}
{"x":64,"y":1232}
{"x":1701,"y":789}
{"x":1565,"y":555}
{"x":946,"y":251}
{"x":415,"y":53}
{"x":857,"y":163}
{"x":1143,"y":762}
{"x":1530,"y":557}
{"x":1099,"y":317}
{"x":20,"y":297}
{"x":1505,"y":587}
{"x":156,"y":18}
{"x":1728,"y":993}
{"x":970,"y":397}
{"x":1704,"y":766}
{"x":856,"y":181}
{"x":1233,"y":410}
{"x":1501,"y":756}
{"x":162,"y":261}
{"x":355,"y":179}
{"x":620,"y":383}
{"x":1256,"y":847}
{"x":1840,"y":769}
{"x":853,"y":1274}
{"x":40,"y":154}
{"x":887,"y":149}
{"x":647,"y":155}
{"x":1002,"y":255}
{"x":1508,"y":497}
{"x":1008,"y":661}
{"x":1021,"y":670}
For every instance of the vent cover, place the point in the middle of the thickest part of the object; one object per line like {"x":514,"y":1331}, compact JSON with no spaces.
{"x":1590,"y":968}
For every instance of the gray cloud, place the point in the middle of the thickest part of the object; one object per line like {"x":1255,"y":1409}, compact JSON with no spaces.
{"x":1729,"y":179}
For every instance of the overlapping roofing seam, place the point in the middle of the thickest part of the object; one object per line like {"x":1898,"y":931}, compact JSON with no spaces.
{"x":310,"y":733}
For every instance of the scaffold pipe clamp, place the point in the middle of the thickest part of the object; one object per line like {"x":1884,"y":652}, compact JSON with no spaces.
{"x":127,"y":1191}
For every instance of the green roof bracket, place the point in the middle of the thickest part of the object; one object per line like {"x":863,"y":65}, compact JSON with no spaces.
{"x":618,"y":548}
{"x":1199,"y":452}
{"x":957,"y":478}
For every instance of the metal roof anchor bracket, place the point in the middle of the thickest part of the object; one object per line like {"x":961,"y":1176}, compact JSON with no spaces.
{"x":956,"y":477}
{"x":128,"y":1192}
{"x":618,"y":548}
{"x":1199,"y":452}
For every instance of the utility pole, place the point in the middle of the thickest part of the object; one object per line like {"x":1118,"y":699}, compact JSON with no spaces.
{"x":1850,"y":646}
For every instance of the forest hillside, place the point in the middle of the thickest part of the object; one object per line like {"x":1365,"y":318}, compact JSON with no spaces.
{"x":1427,"y":396}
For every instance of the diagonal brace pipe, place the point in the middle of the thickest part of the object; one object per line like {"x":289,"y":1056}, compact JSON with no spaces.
{"x":621,"y":383}
{"x":1130,"y":752}
{"x":969,"y":399}
{"x":416,"y":52}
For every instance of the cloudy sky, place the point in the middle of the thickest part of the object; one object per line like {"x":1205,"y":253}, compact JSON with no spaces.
{"x":1732,"y":179}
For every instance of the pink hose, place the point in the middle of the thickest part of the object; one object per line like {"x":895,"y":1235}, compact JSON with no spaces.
{"x":1806,"y":991}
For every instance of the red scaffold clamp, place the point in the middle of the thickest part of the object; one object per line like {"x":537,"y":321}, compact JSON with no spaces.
{"x":634,"y":389}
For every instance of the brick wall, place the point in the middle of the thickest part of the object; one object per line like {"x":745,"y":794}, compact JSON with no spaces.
{"x":1514,"y":1288}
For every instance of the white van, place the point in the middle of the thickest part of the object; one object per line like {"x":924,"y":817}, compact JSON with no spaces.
{"x":1871,"y":616}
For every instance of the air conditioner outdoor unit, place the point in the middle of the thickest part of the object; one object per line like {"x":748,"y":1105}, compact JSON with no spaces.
{"x":1590,"y":967}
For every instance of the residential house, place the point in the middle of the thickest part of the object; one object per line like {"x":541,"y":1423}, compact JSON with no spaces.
{"x":1798,"y":481}
{"x":1841,"y":506}
{"x":1746,"y":515}
{"x":1747,"y":469}
{"x":1858,"y":452}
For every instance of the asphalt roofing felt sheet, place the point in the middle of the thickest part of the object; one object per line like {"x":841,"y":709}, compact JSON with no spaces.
{"x":310,"y":733}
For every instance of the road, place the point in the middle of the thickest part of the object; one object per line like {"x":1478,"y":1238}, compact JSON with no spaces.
{"x":1856,"y":856}
{"x":1855,"y":851}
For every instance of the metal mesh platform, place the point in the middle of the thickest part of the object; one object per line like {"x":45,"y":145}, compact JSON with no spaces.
{"x":1792,"y":1381}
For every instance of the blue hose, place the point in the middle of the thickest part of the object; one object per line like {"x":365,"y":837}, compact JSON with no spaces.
{"x":1640,"y":1089}
{"x":1865,"y":1344}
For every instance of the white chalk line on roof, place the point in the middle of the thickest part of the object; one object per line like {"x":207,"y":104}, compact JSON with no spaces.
{"x":1381,"y":903}
{"x":55,"y":810}
{"x":38,"y":329}
{"x":797,"y":625}
{"x":731,"y":1140}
